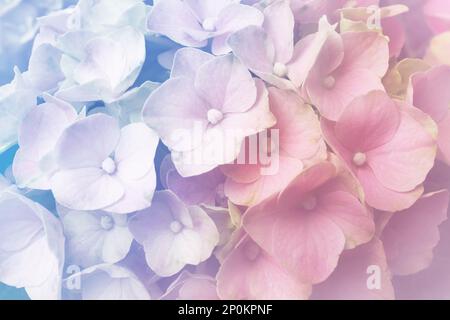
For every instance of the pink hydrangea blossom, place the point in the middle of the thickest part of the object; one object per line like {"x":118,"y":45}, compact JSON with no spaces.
{"x":373,"y":137}
{"x":411,"y":235}
{"x":349,"y":65}
{"x":260,"y":277}
{"x":429,"y":92}
{"x":299,"y":144}
{"x":307,"y":227}
{"x":437,"y":14}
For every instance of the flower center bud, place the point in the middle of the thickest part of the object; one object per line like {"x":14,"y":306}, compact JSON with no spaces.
{"x":109,"y":166}
{"x":329,"y":82}
{"x":359,"y":159}
{"x":252,"y":251}
{"x":214,"y":116}
{"x":209,"y":24}
{"x":107,"y":223}
{"x":309,"y":203}
{"x":175,"y":226}
{"x":280,"y":70}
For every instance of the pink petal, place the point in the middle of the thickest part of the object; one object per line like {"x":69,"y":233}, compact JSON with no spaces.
{"x":376,"y":195}
{"x":310,"y":11}
{"x":324,"y":48}
{"x":252,"y":193}
{"x":248,"y":273}
{"x":403,"y":163}
{"x":308,"y":181}
{"x":430,"y":92}
{"x":307,"y":246}
{"x":433,"y":282}
{"x":395,"y":31}
{"x":307,"y":241}
{"x":346,"y":211}
{"x":366,"y":50}
{"x":298,"y":125}
{"x":382,"y":198}
{"x":348,"y":85}
{"x":411,"y":235}
{"x":368,"y":122}
{"x":245,"y":172}
{"x":349,"y":280}
{"x":443,"y":141}
{"x":437,"y":13}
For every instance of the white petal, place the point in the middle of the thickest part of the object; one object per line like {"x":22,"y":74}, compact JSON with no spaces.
{"x":85,"y":237}
{"x":117,"y":244}
{"x":88,"y":142}
{"x":15,"y":101}
{"x":135,"y":152}
{"x":38,"y":135}
{"x":138,"y":194}
{"x":86,"y":189}
{"x":36,"y":263}
{"x":111,"y":282}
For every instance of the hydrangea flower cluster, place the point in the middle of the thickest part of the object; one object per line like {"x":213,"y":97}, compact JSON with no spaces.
{"x":225,"y":149}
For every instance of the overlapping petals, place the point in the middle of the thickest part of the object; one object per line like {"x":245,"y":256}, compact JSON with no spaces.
{"x":260,"y":277}
{"x":269,"y":50}
{"x":225,"y":149}
{"x":349,"y":65}
{"x":101,"y":166}
{"x":32,"y":247}
{"x":107,"y":282}
{"x":192,"y":287}
{"x":217,"y":104}
{"x":308,"y":226}
{"x":372,"y":137}
{"x":95,"y":237}
{"x":39,"y":132}
{"x":207,"y":188}
{"x":285,"y":150}
{"x":16,"y":99}
{"x":429,"y":93}
{"x":174,"y":235}
{"x":412,"y":229}
{"x":106,"y":66}
{"x":193,"y":22}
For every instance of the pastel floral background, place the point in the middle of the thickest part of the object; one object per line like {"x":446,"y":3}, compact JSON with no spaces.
{"x":224,"y":149}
